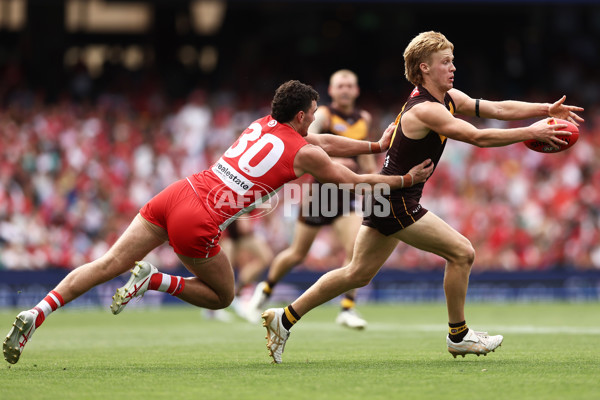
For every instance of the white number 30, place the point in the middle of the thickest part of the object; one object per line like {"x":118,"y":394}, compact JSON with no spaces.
{"x":248,"y":153}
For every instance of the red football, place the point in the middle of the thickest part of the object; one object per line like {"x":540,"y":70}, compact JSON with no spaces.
{"x":542,"y":147}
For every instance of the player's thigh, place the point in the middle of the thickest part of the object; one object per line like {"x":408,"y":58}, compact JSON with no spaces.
{"x":371,"y":251}
{"x":432,"y":234}
{"x":133,"y":245}
{"x":216,"y":271}
{"x":304,"y":236}
{"x":346,"y":229}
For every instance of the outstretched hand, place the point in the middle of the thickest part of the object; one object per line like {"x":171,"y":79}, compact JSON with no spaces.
{"x":559,"y":110}
{"x":548,"y":133}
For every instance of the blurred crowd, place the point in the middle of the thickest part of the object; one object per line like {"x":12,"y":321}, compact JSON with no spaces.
{"x":73,"y":174}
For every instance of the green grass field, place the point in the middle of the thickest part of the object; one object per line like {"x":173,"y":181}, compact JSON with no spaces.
{"x":550,"y":351}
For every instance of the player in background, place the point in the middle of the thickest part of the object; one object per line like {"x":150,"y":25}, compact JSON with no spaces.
{"x":424,"y":125}
{"x":191,"y":213}
{"x":342,"y":118}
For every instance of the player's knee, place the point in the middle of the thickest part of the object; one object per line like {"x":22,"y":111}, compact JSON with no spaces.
{"x":295,"y":257}
{"x":223,"y":300}
{"x":226,"y":299}
{"x":464,"y":254}
{"x":358,"y":277}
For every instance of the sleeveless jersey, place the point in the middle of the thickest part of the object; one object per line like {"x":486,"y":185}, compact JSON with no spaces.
{"x":256,"y":165}
{"x":404,"y":153}
{"x":352,"y":126}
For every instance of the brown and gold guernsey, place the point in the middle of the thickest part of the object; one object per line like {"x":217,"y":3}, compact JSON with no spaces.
{"x":352,"y":126}
{"x":403,"y":154}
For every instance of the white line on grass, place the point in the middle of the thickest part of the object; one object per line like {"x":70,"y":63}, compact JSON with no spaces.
{"x":495,"y":329}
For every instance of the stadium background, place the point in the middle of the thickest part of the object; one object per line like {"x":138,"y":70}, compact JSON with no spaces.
{"x":104,"y":103}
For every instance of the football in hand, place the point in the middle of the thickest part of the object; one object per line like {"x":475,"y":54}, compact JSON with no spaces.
{"x":542,"y":147}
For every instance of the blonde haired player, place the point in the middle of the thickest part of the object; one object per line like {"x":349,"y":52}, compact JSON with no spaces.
{"x":424,"y":125}
{"x":190,"y":213}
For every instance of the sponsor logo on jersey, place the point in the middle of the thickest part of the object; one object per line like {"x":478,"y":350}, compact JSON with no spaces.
{"x":232,"y":178}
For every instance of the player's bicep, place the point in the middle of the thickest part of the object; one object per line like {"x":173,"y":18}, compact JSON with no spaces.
{"x":464,"y":104}
{"x":439,"y":119}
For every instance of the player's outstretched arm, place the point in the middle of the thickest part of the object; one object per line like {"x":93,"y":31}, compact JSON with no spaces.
{"x":339,"y":146}
{"x":313,"y":160}
{"x":509,"y":110}
{"x":436,"y":117}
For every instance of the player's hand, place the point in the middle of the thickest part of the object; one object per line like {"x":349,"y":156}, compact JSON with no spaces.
{"x":547,"y":133}
{"x":421,"y":172}
{"x":386,"y":138}
{"x":559,"y":110}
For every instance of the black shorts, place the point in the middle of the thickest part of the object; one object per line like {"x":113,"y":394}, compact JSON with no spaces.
{"x":400,"y":213}
{"x":333,"y":208}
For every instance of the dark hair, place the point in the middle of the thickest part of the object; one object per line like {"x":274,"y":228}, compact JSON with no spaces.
{"x":290,"y":98}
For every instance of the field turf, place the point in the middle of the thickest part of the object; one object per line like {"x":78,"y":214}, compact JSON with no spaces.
{"x":550,"y":351}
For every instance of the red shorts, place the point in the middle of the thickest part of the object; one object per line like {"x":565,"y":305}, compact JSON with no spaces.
{"x":191,"y":229}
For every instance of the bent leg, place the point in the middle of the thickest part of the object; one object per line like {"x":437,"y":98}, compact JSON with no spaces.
{"x":432,"y":234}
{"x":304,"y":237}
{"x":135,"y":243}
{"x":212,"y":286}
{"x":371,"y":250}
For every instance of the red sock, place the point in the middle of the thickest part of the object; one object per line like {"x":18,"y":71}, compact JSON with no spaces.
{"x":52,"y":302}
{"x":167,"y":283}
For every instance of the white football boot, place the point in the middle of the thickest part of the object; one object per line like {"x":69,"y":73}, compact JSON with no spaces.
{"x":217,"y":315}
{"x":19,"y":335}
{"x":136,"y":286}
{"x":256,"y":304}
{"x":351,"y":319}
{"x":474,"y":343}
{"x":277,"y":335}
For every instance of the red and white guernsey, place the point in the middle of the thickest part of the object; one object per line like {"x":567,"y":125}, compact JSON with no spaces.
{"x":256,"y":165}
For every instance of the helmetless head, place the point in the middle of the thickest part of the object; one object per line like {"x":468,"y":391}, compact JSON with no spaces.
{"x":422,"y":53}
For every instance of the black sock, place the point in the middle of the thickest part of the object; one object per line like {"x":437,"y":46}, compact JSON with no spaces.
{"x":289,"y":317}
{"x":457,"y":331}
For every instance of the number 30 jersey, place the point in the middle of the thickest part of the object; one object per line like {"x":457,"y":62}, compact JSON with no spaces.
{"x":256,"y":165}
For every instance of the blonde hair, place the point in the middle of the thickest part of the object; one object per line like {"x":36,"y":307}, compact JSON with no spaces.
{"x":342,"y":72}
{"x":419,"y":50}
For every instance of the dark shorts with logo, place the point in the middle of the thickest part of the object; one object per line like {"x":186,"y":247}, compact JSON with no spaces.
{"x":404,"y":211}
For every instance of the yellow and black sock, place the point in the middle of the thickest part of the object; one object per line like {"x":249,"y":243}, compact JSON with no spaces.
{"x":347,"y":302}
{"x":457,"y":331}
{"x":289,"y":317}
{"x":268,"y":289}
